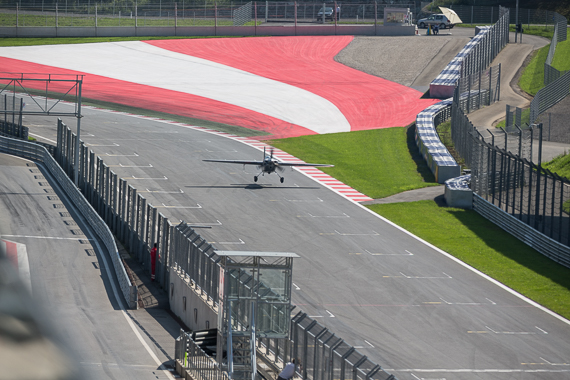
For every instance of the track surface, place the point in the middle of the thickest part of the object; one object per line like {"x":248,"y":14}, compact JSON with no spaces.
{"x":71,"y":289}
{"x":406,"y":305}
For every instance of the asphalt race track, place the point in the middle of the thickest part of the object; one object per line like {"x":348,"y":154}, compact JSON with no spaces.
{"x":406,"y":305}
{"x":73,"y":294}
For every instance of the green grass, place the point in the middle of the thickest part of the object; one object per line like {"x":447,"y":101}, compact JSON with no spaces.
{"x":525,"y":119}
{"x":486,"y":247}
{"x":10,"y":19}
{"x":561,"y":59}
{"x":546,"y":31}
{"x":559,"y":165}
{"x":532,"y":79}
{"x":377,"y":162}
{"x":11,"y":41}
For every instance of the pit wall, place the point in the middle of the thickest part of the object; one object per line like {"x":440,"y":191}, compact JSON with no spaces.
{"x":286,"y":30}
{"x":194,"y":309}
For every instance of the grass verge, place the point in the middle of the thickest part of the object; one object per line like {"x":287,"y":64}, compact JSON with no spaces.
{"x":561,"y":60}
{"x":486,"y":247}
{"x":378,"y":163}
{"x":559,"y":165}
{"x":532,"y":79}
{"x":13,"y":41}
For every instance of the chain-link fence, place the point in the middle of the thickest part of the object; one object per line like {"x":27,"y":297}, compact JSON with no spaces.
{"x":560,"y":31}
{"x":472,"y":93}
{"x":557,"y":87}
{"x":475,"y":57}
{"x":190,"y":13}
{"x":488,"y":47}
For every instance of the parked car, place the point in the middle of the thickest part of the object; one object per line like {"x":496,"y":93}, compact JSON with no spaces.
{"x":329,"y":14}
{"x":437,"y":19}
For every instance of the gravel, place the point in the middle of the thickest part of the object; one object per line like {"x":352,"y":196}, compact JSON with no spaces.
{"x":392,"y":58}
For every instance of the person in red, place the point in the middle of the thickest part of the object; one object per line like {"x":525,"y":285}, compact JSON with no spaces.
{"x":152,"y":262}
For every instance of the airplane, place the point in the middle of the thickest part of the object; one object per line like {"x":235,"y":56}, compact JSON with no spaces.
{"x":268,"y":165}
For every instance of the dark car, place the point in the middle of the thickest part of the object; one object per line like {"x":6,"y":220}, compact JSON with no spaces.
{"x":329,"y":14}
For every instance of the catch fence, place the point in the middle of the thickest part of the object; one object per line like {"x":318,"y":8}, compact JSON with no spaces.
{"x":526,"y":191}
{"x":506,"y":178}
{"x":494,"y":40}
{"x":560,"y":33}
{"x":557,"y":87}
{"x":471,"y":93}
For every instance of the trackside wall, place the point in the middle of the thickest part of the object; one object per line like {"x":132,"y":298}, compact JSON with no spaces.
{"x":164,"y":31}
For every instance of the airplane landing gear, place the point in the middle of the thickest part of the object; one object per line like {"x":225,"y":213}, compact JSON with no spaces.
{"x":255,"y":179}
{"x":282,"y":179}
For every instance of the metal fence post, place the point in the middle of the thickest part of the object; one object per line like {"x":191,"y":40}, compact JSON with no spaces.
{"x":141,"y":223}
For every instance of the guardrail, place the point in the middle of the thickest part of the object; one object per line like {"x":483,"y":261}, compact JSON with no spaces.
{"x":525,"y":233}
{"x":39,"y":154}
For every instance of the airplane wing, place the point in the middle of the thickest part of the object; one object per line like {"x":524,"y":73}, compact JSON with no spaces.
{"x":243,"y":162}
{"x":295,"y":164}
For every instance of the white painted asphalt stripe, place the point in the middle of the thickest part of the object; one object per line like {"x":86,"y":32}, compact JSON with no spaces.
{"x":154,"y":179}
{"x":43,"y":138}
{"x":142,"y":63}
{"x":119,"y":155}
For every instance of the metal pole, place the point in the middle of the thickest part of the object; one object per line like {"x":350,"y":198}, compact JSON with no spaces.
{"x":230,"y":355}
{"x":76,"y":163}
{"x":252,"y":340}
{"x":538,"y":173}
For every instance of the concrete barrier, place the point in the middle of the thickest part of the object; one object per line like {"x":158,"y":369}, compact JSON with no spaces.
{"x":458,"y":193}
{"x":186,"y":302}
{"x":440,"y":161}
{"x":191,"y":31}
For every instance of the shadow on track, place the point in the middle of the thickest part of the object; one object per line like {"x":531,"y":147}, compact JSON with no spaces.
{"x":253,"y":186}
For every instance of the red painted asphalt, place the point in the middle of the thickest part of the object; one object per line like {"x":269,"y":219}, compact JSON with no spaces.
{"x":367,"y":102}
{"x":307,"y":62}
